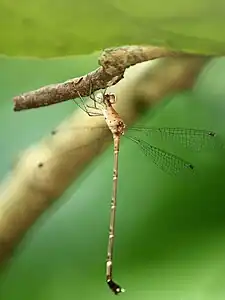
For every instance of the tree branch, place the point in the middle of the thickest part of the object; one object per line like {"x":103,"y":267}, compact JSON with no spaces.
{"x":113,"y":63}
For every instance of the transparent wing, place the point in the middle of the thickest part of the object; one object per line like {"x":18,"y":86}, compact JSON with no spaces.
{"x":193,"y":139}
{"x":166,"y":161}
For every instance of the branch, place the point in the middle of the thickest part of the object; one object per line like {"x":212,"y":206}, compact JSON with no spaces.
{"x":46,"y":170}
{"x":113,"y":63}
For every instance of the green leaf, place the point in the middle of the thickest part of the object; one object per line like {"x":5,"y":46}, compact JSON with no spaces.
{"x":48,"y":28}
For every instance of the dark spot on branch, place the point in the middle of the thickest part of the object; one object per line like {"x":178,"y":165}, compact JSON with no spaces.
{"x":53,"y":132}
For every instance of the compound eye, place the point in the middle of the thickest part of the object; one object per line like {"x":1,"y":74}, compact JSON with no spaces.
{"x":112,"y":98}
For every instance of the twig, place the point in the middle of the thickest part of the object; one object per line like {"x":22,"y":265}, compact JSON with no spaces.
{"x":113,"y":63}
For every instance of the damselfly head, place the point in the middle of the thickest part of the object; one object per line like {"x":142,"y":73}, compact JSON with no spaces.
{"x":110,"y":98}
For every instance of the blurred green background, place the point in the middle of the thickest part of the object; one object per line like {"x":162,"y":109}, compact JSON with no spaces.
{"x":170,"y":239}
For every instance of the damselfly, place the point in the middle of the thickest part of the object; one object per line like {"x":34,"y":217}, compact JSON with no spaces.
{"x":194,"y":139}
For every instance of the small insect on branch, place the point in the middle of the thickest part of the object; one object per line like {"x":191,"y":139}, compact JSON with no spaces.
{"x":113,"y":63}
{"x":168,"y":162}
